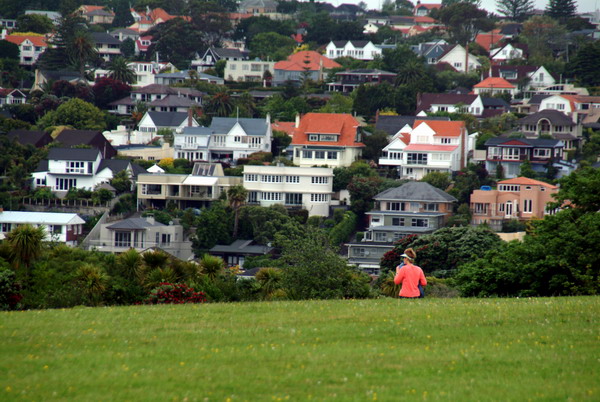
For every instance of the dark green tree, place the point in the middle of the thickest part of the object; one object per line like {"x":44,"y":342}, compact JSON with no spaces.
{"x":120,"y":70}
{"x":580,"y":190}
{"x":9,"y":50}
{"x":127,"y":48}
{"x":464,"y":21}
{"x":561,"y":9}
{"x":438,"y":179}
{"x":176,"y":40}
{"x":34,"y":23}
{"x":362,"y":190}
{"x":214,"y":227}
{"x":584,"y":66}
{"x":517,"y":10}
{"x":123,"y":17}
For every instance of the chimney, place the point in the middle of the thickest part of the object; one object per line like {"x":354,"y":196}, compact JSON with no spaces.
{"x":150,"y":219}
{"x":189,"y":117}
{"x":297,"y":120}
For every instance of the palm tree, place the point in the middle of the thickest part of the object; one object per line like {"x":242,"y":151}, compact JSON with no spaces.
{"x":81,"y":50}
{"x":220,"y":105}
{"x":212,"y":266}
{"x":120,"y":70}
{"x":93,"y":281}
{"x":237,"y":197}
{"x":25,"y":244}
{"x":412,"y":71}
{"x":270,"y":280}
{"x":131,"y":264}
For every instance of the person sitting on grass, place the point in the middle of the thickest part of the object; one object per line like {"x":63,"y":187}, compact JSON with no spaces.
{"x":410,"y":276}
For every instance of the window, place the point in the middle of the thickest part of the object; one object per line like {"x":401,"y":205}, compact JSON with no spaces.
{"x":511,"y":153}
{"x":319,"y":197}
{"x":76,"y":167}
{"x":55,"y":229}
{"x":166,"y":239}
{"x":313,"y":137}
{"x":251,"y":177}
{"x":252,"y":197}
{"x":431,"y":207}
{"x":510,"y":188}
{"x":527,"y":206}
{"x":332,"y":155}
{"x":446,"y":140}
{"x":481,"y":208}
{"x":6,"y":227}
{"x":396,"y":206}
{"x":328,"y":137}
{"x":319,"y":180}
{"x":293,"y":199}
{"x":416,"y":159}
{"x":123,"y":239}
{"x":380,"y":236}
{"x":151,"y":189}
{"x":292,"y":179}
{"x":359,"y":252}
{"x":65,"y":184}
{"x":271,"y":196}
{"x":307,"y":154}
{"x":319,"y":154}
{"x":418,"y":222}
{"x":397,"y":221}
{"x":271,"y":178}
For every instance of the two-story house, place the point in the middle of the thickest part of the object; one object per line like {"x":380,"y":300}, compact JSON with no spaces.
{"x":159,"y":98}
{"x":154,"y":121}
{"x":510,"y":153}
{"x":10,"y":96}
{"x":457,"y":58}
{"x":348,"y":81}
{"x":301,"y":66}
{"x":58,"y":227}
{"x":553,"y":123}
{"x":248,"y":70}
{"x":431,"y":146}
{"x":214,"y":54}
{"x":431,"y":51}
{"x":357,"y":49}
{"x":519,"y":198}
{"x":30,"y":47}
{"x":415,"y":208}
{"x":96,"y":14}
{"x":226,"y":139}
{"x":423,"y":9}
{"x":449,"y":102}
{"x":107,"y":46}
{"x":294,"y":187}
{"x":91,"y":138}
{"x":506,"y":53}
{"x":495,"y":86}
{"x":326,"y":139}
{"x":199,"y":189}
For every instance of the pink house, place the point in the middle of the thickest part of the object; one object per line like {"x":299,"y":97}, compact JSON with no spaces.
{"x":520,"y":198}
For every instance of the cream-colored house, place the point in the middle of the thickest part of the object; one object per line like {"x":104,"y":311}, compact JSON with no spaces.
{"x":248,"y":70}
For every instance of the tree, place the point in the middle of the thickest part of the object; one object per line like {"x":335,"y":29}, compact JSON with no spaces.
{"x":527,"y":170}
{"x":584,"y":66}
{"x":213,"y":227}
{"x":464,"y":21}
{"x":36,"y":23}
{"x":438,"y":179}
{"x":211,"y":21}
{"x":107,"y":90}
{"x":93,"y":282}
{"x":338,"y":103}
{"x":517,"y":10}
{"x":212,"y":266}
{"x":123,"y":17}
{"x":237,"y":197}
{"x":362,"y":190}
{"x":76,"y":113}
{"x":9,"y":50}
{"x":374,"y":144}
{"x":81,"y":51}
{"x":56,"y":56}
{"x":121,"y":181}
{"x":220,"y":104}
{"x":26,"y":245}
{"x":581,"y":189}
{"x":561,"y":9}
{"x":176,"y":40}
{"x":120,"y":70}
{"x":271,"y":46}
{"x":542,"y":35}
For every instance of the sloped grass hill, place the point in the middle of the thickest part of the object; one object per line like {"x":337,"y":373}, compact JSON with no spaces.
{"x":386,"y":349}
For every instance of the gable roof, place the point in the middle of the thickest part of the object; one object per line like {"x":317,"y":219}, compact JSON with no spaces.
{"x":488,"y":40}
{"x":444,"y":128}
{"x":73,"y":154}
{"x":392,"y":124}
{"x":425,"y":101}
{"x":345,"y":125}
{"x":92,"y":138}
{"x":41,"y":218}
{"x":134,"y":224}
{"x":554,"y":116}
{"x":30,"y":137}
{"x":18,"y":39}
{"x":415,"y":191}
{"x":222,"y":125}
{"x":296,"y":62}
{"x":167,"y":119}
{"x":494,"y":82}
{"x":103,"y":37}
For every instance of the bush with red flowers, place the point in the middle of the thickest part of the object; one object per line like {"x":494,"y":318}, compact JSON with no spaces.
{"x":174,"y":293}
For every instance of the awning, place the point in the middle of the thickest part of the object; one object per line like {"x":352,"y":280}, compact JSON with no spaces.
{"x":200,"y":181}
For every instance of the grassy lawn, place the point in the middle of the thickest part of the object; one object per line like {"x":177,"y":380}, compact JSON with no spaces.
{"x":388,"y":349}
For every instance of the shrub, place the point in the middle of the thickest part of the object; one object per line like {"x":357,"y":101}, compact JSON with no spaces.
{"x":178,"y":293}
{"x":440,"y":288}
{"x":10,"y":296}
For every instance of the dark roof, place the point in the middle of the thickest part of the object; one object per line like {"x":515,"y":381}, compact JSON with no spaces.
{"x":537,"y":99}
{"x":554,"y":116}
{"x":224,"y":53}
{"x":73,"y":154}
{"x":415,"y":191}
{"x":521,"y":71}
{"x":526,"y":142}
{"x":103,"y":37}
{"x":511,"y":29}
{"x":92,"y":138}
{"x":393,"y":124}
{"x":425,"y":101}
{"x":134,"y":223}
{"x":362,"y":71}
{"x":168,"y":119}
{"x":251,"y":126}
{"x":118,"y":165}
{"x":65,"y":75}
{"x":496,"y":102}
{"x":242,"y":247}
{"x":174,"y":101}
{"x":30,"y":137}
{"x":204,"y":169}
{"x":165,"y":89}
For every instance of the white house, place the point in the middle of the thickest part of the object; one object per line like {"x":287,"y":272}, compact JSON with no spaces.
{"x":11,"y":96}
{"x":357,"y":49}
{"x":248,"y":70}
{"x":226,"y":140}
{"x":506,"y":53}
{"x":294,"y":187}
{"x":30,"y":47}
{"x":541,"y":78}
{"x":60,"y":227}
{"x":456,"y":57}
{"x":154,"y":121}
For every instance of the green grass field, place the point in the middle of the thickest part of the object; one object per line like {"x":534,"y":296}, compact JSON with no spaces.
{"x":387,"y":349}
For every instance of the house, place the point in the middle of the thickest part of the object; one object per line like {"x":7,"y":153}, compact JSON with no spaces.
{"x":326,"y":139}
{"x":145,"y":20}
{"x":7,"y":23}
{"x":35,"y":138}
{"x":510,"y":153}
{"x":237,"y":252}
{"x":308,"y":188}
{"x":301,"y":66}
{"x":31,"y":46}
{"x":142,"y":44}
{"x":507,"y":52}
{"x":518,"y":198}
{"x":96,"y":14}
{"x":431,"y":146}
{"x":431,"y":51}
{"x":574,"y":106}
{"x":357,"y":49}
{"x":258,"y":7}
{"x":457,"y":58}
{"x":145,"y":71}
{"x":107,"y":46}
{"x":146,"y":152}
{"x":248,"y":70}
{"x":10,"y":96}
{"x":415,"y":208}
{"x":154,"y":121}
{"x":42,"y":77}
{"x":553,"y":123}
{"x":204,"y":185}
{"x":181,"y":77}
{"x":348,"y":81}
{"x":422,"y":9}
{"x":347,"y":12}
{"x":214,"y":54}
{"x":92,"y":138}
{"x":226,"y":139}
{"x":489,"y":40}
{"x":160,"y":98}
{"x":519,"y":76}
{"x":393,"y":124}
{"x":495,"y":86}
{"x":58,"y":227}
{"x":125,"y":33}
{"x":141,"y":234}
{"x":449,"y":102}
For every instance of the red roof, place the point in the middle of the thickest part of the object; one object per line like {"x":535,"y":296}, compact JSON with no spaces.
{"x":429,"y":147}
{"x":494,"y":82}
{"x":527,"y":181}
{"x":443,"y":128}
{"x":487,"y":40}
{"x":18,"y":39}
{"x":424,"y":19}
{"x":296,"y":62}
{"x":344,"y":125}
{"x":428,"y":6}
{"x":286,"y":126}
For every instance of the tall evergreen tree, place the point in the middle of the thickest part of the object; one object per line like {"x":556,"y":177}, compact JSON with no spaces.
{"x":123,"y":17}
{"x":517,"y":10}
{"x":56,"y":57}
{"x":561,"y":9}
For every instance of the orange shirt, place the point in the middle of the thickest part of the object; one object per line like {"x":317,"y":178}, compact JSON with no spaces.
{"x":410,"y":276}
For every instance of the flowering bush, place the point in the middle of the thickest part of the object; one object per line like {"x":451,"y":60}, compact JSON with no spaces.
{"x":174,"y":293}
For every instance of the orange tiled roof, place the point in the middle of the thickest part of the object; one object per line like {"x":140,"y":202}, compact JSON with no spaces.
{"x":344,"y":125}
{"x":424,"y":20}
{"x":286,"y":126}
{"x":487,"y":40}
{"x":429,"y":6}
{"x":18,"y":39}
{"x":443,"y":128}
{"x":494,"y":82}
{"x":527,"y":181}
{"x":88,"y":8}
{"x":296,"y":62}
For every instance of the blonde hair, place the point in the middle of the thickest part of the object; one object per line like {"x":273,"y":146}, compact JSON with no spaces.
{"x":412,"y":255}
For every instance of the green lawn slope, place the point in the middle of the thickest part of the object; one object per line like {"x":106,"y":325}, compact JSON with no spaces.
{"x":386,"y":349}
